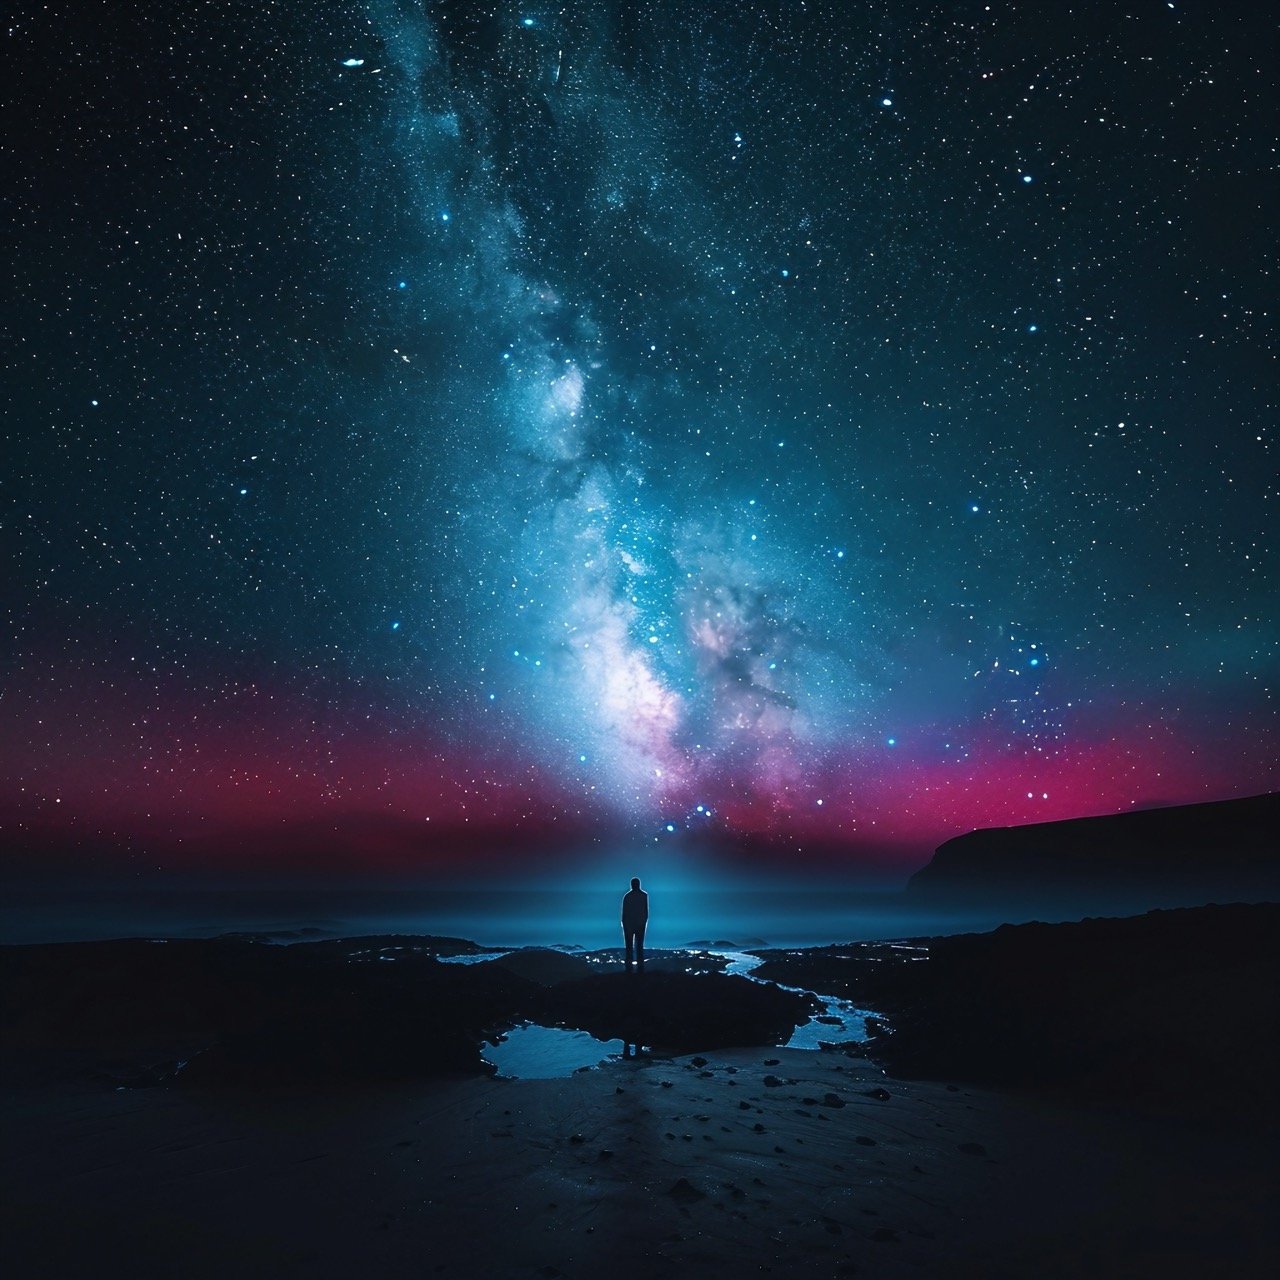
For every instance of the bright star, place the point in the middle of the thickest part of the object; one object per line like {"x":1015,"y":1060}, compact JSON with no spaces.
{"x":886,"y":102}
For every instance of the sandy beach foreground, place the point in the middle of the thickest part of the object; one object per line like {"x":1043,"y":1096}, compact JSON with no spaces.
{"x":1093,"y":1099}
{"x":770,"y":1162}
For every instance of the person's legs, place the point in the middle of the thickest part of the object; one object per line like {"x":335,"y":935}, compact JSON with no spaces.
{"x":629,"y":935}
{"x":640,"y":947}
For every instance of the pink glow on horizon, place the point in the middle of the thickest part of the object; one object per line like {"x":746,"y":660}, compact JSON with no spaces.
{"x":255,"y":762}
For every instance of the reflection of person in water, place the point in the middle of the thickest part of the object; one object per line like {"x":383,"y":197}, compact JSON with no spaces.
{"x":635,"y":915}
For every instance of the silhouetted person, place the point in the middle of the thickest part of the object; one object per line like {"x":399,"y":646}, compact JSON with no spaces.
{"x":635,"y":915}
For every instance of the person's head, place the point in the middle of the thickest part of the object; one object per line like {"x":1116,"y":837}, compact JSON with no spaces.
{"x":635,"y":882}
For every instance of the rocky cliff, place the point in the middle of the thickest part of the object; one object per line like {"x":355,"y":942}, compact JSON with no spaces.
{"x":1228,"y":849}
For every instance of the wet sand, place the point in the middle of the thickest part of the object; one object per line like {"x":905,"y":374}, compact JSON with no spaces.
{"x":756,"y":1162}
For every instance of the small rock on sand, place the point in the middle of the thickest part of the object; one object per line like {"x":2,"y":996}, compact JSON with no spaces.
{"x":682,"y":1191}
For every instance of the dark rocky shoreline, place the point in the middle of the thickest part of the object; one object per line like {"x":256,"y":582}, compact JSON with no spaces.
{"x":242,"y":1012}
{"x":1142,"y":1009}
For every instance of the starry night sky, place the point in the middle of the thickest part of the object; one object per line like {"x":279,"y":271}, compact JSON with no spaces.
{"x":440,"y":428}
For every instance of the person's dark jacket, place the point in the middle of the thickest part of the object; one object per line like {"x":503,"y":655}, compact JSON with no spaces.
{"x":635,"y":909}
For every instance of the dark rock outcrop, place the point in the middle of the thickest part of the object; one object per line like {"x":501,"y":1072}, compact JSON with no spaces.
{"x":245,"y":1013}
{"x":541,"y":965}
{"x":1158,"y":1007}
{"x":675,"y":1011}
{"x":242,"y":1010}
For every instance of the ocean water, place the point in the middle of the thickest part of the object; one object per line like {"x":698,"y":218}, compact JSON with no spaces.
{"x":494,"y":917}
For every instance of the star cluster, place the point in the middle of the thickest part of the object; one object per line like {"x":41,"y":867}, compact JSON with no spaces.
{"x":829,"y":425}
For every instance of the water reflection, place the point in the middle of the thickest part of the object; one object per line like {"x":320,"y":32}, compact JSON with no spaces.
{"x":531,"y":1052}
